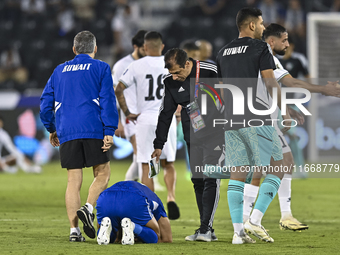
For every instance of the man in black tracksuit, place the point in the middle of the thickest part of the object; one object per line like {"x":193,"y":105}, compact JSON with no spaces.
{"x":205,"y":142}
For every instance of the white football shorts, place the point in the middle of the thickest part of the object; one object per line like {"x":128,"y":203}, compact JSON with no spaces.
{"x":284,"y":144}
{"x":129,"y":126}
{"x":145,"y":134}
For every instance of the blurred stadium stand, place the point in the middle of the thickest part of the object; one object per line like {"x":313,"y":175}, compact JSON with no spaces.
{"x":43,"y":46}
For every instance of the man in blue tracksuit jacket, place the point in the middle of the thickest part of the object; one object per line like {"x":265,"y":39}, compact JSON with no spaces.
{"x":78,"y":108}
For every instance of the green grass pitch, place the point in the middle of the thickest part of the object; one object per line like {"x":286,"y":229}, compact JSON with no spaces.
{"x":33,"y":218}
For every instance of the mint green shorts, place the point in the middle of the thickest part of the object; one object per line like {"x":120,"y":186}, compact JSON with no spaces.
{"x":252,"y":146}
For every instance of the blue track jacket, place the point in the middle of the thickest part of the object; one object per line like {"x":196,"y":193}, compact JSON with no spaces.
{"x":79,"y":101}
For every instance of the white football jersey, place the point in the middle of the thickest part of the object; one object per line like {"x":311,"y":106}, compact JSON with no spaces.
{"x":147,"y":74}
{"x":129,"y":93}
{"x":279,"y":73}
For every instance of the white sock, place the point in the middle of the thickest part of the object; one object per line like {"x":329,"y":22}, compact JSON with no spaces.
{"x":238,"y":227}
{"x":284,"y":194}
{"x":256,"y":217}
{"x":10,"y":169}
{"x":90,"y":207}
{"x":75,"y":230}
{"x":250,"y":194}
{"x":132,"y":172}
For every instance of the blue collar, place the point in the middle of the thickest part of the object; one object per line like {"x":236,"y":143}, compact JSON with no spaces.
{"x":82,"y":56}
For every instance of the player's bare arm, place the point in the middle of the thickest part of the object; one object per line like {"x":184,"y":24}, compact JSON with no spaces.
{"x":296,"y":116}
{"x":330,"y":89}
{"x":122,"y":102}
{"x":270,"y":82}
{"x":165,"y":230}
{"x":121,"y":99}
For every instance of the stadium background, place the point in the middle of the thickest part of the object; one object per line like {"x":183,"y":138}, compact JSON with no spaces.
{"x":43,"y":39}
{"x":32,"y":211}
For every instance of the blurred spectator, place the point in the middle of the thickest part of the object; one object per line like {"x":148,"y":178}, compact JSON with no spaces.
{"x":124,"y":26}
{"x":199,"y":8}
{"x":84,"y":12}
{"x":294,"y":62}
{"x":12,"y":10}
{"x":271,"y":11}
{"x":211,"y":7}
{"x":33,"y":7}
{"x":251,"y":3}
{"x":336,"y":6}
{"x":192,"y":50}
{"x":205,"y":50}
{"x":295,"y":23}
{"x":15,"y":158}
{"x":11,"y":68}
{"x":55,"y":2}
{"x":65,"y":19}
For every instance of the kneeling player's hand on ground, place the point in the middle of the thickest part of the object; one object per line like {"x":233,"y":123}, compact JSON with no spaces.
{"x":54,"y":140}
{"x":156,"y":153}
{"x":108,"y":142}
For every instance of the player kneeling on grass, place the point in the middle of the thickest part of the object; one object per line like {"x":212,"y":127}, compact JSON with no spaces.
{"x":129,"y":210}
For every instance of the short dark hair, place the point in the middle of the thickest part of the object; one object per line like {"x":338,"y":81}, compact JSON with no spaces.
{"x":175,"y":56}
{"x":152,"y":35}
{"x":84,"y":42}
{"x":274,"y":30}
{"x":188,"y":45}
{"x":138,"y":39}
{"x":245,"y":13}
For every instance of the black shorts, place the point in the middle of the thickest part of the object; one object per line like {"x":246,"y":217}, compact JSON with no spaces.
{"x":208,"y":150}
{"x":82,"y":153}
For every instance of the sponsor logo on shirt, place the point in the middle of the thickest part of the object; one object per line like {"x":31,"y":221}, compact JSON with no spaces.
{"x":181,"y":89}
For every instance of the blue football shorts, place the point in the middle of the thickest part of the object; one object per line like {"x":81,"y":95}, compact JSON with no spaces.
{"x":120,"y":204}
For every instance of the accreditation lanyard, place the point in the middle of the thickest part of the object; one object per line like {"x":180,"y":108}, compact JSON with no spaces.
{"x":193,"y":109}
{"x":197,"y":78}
